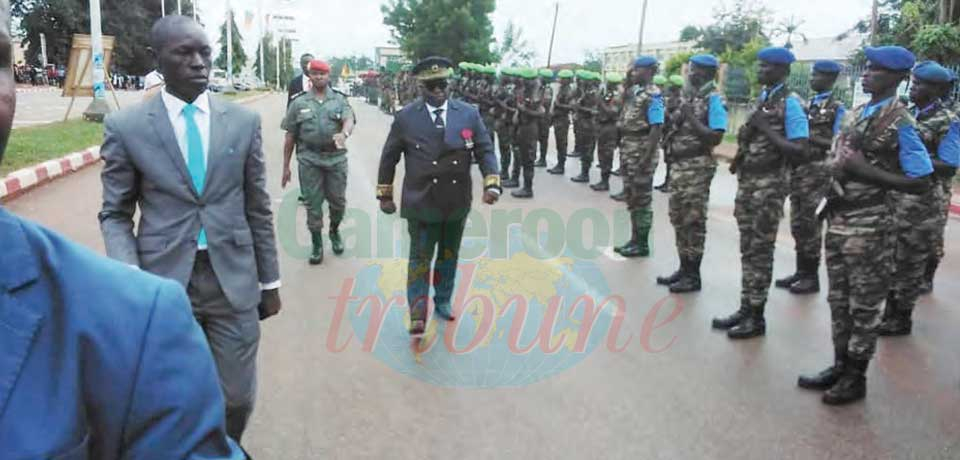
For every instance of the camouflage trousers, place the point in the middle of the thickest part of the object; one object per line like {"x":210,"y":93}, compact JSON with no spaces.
{"x":323,"y":183}
{"x":526,"y":150}
{"x":577,"y":134}
{"x":809,"y":184}
{"x":543,"y":126}
{"x":607,"y":146}
{"x":637,"y":167}
{"x":859,"y":252}
{"x":505,"y":134}
{"x":587,"y":138}
{"x":758,"y":209}
{"x":561,"y":131}
{"x":491,"y":125}
{"x":916,"y":221}
{"x":939,"y":234}
{"x":690,"y":193}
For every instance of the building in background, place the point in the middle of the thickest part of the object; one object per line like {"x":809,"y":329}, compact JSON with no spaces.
{"x":834,"y":48}
{"x":618,"y":58}
{"x":383,"y":56}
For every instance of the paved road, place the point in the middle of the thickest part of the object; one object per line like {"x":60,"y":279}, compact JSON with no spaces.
{"x":677,"y":390}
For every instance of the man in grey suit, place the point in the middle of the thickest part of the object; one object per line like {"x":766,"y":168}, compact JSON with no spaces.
{"x":194,"y":165}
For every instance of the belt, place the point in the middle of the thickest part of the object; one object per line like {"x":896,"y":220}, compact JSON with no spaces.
{"x":761,"y":168}
{"x":839,"y":205}
{"x":330,"y":147}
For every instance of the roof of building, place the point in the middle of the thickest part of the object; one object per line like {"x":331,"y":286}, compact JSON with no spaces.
{"x":832,"y":48}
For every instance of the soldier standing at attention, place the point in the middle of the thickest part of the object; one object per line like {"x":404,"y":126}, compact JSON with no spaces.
{"x":878,"y":150}
{"x":561,"y":119}
{"x":506,"y":109}
{"x":672,"y":101}
{"x":609,"y":113}
{"x":485,"y":100}
{"x":699,"y":122}
{"x":546,"y":99}
{"x":641,"y":122}
{"x":810,"y":180}
{"x":530,"y":113}
{"x":587,"y":110}
{"x":318,"y":124}
{"x":776,"y":133}
{"x":436,"y":138}
{"x":918,"y":219}
{"x":578,"y":90}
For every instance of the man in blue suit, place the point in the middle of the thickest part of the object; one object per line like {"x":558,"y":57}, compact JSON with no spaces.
{"x":98,"y":359}
{"x":438,"y":138}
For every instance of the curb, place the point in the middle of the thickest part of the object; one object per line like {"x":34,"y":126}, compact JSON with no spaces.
{"x":21,"y":181}
{"x":44,"y":89}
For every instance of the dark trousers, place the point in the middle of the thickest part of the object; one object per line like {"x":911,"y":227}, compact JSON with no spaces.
{"x":561,"y":131}
{"x":233,"y":336}
{"x":426,"y":240}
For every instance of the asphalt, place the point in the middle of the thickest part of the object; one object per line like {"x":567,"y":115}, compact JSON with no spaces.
{"x":676,"y":389}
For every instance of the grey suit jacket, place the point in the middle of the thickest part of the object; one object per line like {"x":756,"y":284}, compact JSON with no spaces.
{"x":144,"y":167}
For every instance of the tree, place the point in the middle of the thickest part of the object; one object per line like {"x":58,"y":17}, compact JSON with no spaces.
{"x":239,"y":56}
{"x":457,"y":29}
{"x":690,"y":33}
{"x":735,"y":27}
{"x":356,"y":63}
{"x":928,"y":27}
{"x":788,"y":28}
{"x":674,"y":65}
{"x":128,"y":20}
{"x":514,"y":50}
{"x":269,"y":59}
{"x":593,"y":61}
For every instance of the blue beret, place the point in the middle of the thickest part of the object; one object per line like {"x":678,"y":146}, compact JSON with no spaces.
{"x":776,"y":55}
{"x":827,"y":67}
{"x":705,"y":60}
{"x":932,"y":72}
{"x":645,"y":61}
{"x":891,"y":57}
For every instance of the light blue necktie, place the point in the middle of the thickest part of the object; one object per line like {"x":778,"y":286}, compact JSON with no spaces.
{"x":195,"y":163}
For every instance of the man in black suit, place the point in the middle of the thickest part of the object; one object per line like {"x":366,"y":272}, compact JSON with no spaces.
{"x":301,"y":82}
{"x":437,"y":138}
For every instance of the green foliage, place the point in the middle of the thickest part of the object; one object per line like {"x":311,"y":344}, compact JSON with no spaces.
{"x":239,"y":56}
{"x":593,"y":61}
{"x":741,"y":78}
{"x":674,"y":65}
{"x":457,"y":29}
{"x":939,"y":42}
{"x":513,"y":49}
{"x":690,"y":33}
{"x":270,"y":60}
{"x":736,"y":26}
{"x":127,"y":20}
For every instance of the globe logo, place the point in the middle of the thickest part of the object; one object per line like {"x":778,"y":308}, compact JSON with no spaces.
{"x":521,"y":318}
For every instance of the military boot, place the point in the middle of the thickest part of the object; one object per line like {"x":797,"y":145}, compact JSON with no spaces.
{"x":752,"y":326}
{"x":827,"y":377}
{"x":316,"y":255}
{"x":558,"y":169}
{"x":852,"y":385}
{"x":541,"y":162}
{"x":584,"y":176}
{"x":668,"y":280}
{"x":510,"y":182}
{"x":898,"y":324}
{"x":690,"y":279}
{"x":335,"y":240}
{"x":785,"y":283}
{"x":643,"y":219}
{"x":621,"y":197}
{"x":527,"y":190}
{"x":728,"y":322}
{"x":808,"y":279}
{"x":603,"y":185}
{"x":615,"y":172}
{"x":574,"y":154}
{"x":630,"y":245}
{"x":927,"y":286}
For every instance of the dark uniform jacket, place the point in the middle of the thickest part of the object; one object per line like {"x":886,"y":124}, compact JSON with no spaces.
{"x":437,"y":186}
{"x":294,"y":88}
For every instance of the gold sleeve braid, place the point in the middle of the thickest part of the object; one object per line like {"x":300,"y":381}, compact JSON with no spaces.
{"x":384,"y":191}
{"x":493,"y":180}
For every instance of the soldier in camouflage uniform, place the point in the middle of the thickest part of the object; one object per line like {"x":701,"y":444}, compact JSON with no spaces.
{"x":506,"y":109}
{"x":878,"y":150}
{"x":776,"y":133}
{"x":578,"y":90}
{"x":671,"y":99}
{"x":561,"y":119}
{"x":587,"y":108}
{"x":609,"y":135}
{"x":317,"y":124}
{"x":546,"y":98}
{"x":809,"y":180}
{"x":485,"y":100}
{"x":529,"y":113}
{"x":699,"y":122}
{"x":918,"y":218}
{"x":641,"y":121}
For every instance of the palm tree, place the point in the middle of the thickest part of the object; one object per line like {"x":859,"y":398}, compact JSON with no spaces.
{"x":790,"y":27}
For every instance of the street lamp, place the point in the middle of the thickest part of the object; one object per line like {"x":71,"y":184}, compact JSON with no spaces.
{"x":98,"y":108}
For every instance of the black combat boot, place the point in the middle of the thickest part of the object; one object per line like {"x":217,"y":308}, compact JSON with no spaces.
{"x":574,"y":154}
{"x":785,"y":283}
{"x":753,"y":325}
{"x":727,"y":322}
{"x":542,"y":161}
{"x":527,"y":190}
{"x":558,"y":169}
{"x":621,"y":197}
{"x":510,"y":182}
{"x":584,"y":176}
{"x":852,"y":385}
{"x":897,"y":324}
{"x":690,"y":280}
{"x":927,"y":286}
{"x":615,"y":172}
{"x":668,"y":280}
{"x":335,"y":239}
{"x":828,"y":377}
{"x":603,"y":185}
{"x":630,"y":245}
{"x":643,"y":219}
{"x":316,"y":255}
{"x":808,"y":279}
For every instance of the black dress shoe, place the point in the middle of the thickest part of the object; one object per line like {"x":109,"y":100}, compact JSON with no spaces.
{"x":751,"y":326}
{"x":728,"y":322}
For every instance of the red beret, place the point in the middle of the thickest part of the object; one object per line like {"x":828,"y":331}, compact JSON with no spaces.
{"x":319,"y":66}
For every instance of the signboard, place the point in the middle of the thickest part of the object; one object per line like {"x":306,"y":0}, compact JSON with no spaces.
{"x":79,"y":77}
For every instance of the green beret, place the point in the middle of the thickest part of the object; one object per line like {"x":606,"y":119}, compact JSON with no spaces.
{"x":660,"y":80}
{"x":546,"y":73}
{"x":565,"y":73}
{"x":676,"y":80}
{"x":489,"y":70}
{"x":583,"y":74}
{"x":529,"y":74}
{"x":614,"y":78}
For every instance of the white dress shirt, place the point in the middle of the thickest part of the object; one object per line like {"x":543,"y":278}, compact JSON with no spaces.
{"x":433,"y":114}
{"x":307,"y":84}
{"x":175,"y":107}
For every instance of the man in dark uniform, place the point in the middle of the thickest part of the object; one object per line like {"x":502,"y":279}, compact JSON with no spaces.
{"x":506,"y":128}
{"x":561,"y":120}
{"x":587,"y":108}
{"x":486,"y":100}
{"x":878,"y":151}
{"x":436,"y":138}
{"x":300,"y":83}
{"x":530,"y":113}
{"x":776,"y":133}
{"x":546,"y":99}
{"x":671,"y":99}
{"x":809,"y":180}
{"x":609,"y":135}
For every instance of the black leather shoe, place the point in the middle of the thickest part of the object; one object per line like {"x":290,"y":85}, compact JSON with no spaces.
{"x":786,"y":282}
{"x":601,"y":186}
{"x":510,"y":183}
{"x":806,"y":284}
{"x":558,"y":169}
{"x":823,"y":380}
{"x":751,"y":326}
{"x":851,"y":387}
{"x":522,"y":193}
{"x":336,"y":242}
{"x":668,"y":280}
{"x":728,"y":322}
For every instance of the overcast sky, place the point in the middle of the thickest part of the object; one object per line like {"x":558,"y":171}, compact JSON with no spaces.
{"x":341,"y":27}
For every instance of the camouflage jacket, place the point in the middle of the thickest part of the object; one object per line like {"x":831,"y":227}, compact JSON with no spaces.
{"x":610,"y":107}
{"x":762,"y":153}
{"x":636,"y":106}
{"x":683,"y":138}
{"x":823,"y":119}
{"x":565,"y":95}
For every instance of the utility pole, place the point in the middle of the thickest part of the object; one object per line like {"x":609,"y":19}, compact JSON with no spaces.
{"x":263,"y":36}
{"x":643,"y":23}
{"x":230,"y":88}
{"x":163,"y":8}
{"x":98,"y":108}
{"x":279,"y":45}
{"x":195,"y":6}
{"x":553,"y":33}
{"x":874,"y":18}
{"x":179,"y":10}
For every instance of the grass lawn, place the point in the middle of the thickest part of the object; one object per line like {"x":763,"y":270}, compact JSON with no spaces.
{"x":239,"y":95}
{"x":36,"y":144}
